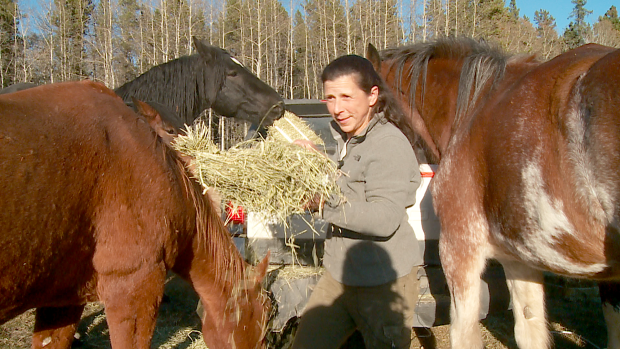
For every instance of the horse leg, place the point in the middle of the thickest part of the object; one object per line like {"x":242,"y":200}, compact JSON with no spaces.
{"x":131,"y":302}
{"x":610,"y":299}
{"x":528,"y":305}
{"x":54,"y":328}
{"x":463,"y":262}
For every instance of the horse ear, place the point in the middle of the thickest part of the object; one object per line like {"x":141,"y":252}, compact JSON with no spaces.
{"x":149,"y":113}
{"x":205,"y":51}
{"x":211,"y":55}
{"x":261,"y":269}
{"x":373,"y":56}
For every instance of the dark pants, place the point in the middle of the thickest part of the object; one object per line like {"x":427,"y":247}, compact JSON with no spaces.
{"x":383,"y":314}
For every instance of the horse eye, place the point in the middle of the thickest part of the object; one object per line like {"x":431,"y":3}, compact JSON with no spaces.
{"x":232,"y":73}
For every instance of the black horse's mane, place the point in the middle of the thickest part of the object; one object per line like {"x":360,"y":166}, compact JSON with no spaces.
{"x":481,"y":62}
{"x":181,"y":84}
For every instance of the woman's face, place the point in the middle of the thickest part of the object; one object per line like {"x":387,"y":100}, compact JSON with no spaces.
{"x":348,"y":104}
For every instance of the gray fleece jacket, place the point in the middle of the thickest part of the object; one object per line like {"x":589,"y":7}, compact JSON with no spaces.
{"x":370,"y":241}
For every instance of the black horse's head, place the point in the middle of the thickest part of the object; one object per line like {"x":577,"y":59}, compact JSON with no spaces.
{"x":238,"y":93}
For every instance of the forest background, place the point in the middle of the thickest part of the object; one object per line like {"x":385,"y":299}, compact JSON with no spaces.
{"x":284,"y":42}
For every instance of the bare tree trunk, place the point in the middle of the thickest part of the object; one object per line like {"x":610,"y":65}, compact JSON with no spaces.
{"x":424,"y":21}
{"x":291,"y":52}
{"x":346,"y":9}
{"x":25,"y":60}
{"x":334,"y":32}
{"x":385,"y":24}
{"x":456,"y":16}
{"x":190,"y":27}
{"x":259,"y":35}
{"x":473,"y":23}
{"x":306,"y":62}
{"x":142,"y":51}
{"x":446,"y":29}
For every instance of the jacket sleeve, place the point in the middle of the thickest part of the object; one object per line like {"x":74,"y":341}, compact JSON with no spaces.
{"x":391,"y":179}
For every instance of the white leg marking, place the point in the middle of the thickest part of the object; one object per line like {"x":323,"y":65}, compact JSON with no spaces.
{"x":464,"y":262}
{"x":46,"y":341}
{"x":464,"y":324}
{"x":528,"y":302}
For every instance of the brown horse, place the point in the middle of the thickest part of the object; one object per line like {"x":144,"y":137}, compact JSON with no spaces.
{"x":162,"y":119}
{"x":528,"y":154}
{"x":95,"y":206}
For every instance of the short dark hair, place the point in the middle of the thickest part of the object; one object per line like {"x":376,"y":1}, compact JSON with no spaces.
{"x":366,"y":78}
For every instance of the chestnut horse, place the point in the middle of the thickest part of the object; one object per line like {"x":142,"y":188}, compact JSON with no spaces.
{"x":528,"y":157}
{"x":162,"y":119}
{"x":95,"y":206}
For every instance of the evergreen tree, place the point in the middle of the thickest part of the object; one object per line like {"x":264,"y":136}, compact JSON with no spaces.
{"x":612,"y":16}
{"x":607,"y":30}
{"x":301,"y":78}
{"x":578,"y":29}
{"x":493,"y":16}
{"x":546,"y":33}
{"x":70,"y":21}
{"x":513,"y":10}
{"x":129,"y":41}
{"x":10,"y":41}
{"x":230,"y":23}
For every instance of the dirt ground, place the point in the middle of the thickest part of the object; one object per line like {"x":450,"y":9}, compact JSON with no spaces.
{"x":575,"y":319}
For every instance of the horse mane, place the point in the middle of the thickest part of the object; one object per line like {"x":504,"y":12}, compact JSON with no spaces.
{"x":212,"y":233}
{"x":481,"y":62}
{"x":180,"y":83}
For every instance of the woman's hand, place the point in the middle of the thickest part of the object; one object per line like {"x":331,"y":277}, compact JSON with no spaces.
{"x":315,"y":204}
{"x":306,"y":144}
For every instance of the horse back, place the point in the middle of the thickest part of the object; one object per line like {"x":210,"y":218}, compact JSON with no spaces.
{"x":77,"y":168}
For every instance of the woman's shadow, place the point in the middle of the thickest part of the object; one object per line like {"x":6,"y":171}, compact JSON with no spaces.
{"x":369,"y":308}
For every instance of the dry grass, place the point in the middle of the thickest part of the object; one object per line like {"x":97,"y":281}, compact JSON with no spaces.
{"x":270,"y":176}
{"x":575,"y":318}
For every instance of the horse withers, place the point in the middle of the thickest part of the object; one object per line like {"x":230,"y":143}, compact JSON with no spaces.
{"x":528,"y":154}
{"x":162,"y":119}
{"x":209,"y":79}
{"x":97,"y":207}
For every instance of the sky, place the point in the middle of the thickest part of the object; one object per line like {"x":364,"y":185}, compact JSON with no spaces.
{"x":561,"y":10}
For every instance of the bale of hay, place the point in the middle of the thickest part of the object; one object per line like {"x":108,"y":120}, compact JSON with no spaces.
{"x":290,"y":127}
{"x":270,"y":176}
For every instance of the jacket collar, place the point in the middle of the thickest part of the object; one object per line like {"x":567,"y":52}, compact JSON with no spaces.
{"x":341,"y":137}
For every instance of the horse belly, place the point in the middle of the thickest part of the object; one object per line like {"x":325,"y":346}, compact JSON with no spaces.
{"x":46,"y":237}
{"x":547,"y":230}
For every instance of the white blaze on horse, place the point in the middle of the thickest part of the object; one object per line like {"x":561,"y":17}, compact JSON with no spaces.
{"x":528,"y":157}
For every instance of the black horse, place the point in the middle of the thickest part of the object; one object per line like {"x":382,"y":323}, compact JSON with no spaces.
{"x":17,"y":87}
{"x":209,"y":79}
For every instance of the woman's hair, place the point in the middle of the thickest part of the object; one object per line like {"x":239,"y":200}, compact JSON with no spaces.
{"x":366,"y":77}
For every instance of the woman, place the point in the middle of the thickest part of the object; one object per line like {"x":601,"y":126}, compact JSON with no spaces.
{"x":371,"y":252}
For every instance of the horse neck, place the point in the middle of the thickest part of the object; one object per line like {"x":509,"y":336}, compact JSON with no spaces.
{"x":449,"y":103}
{"x":212,"y":243}
{"x":434,"y":112}
{"x":176,"y":84}
{"x":210,"y":260}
